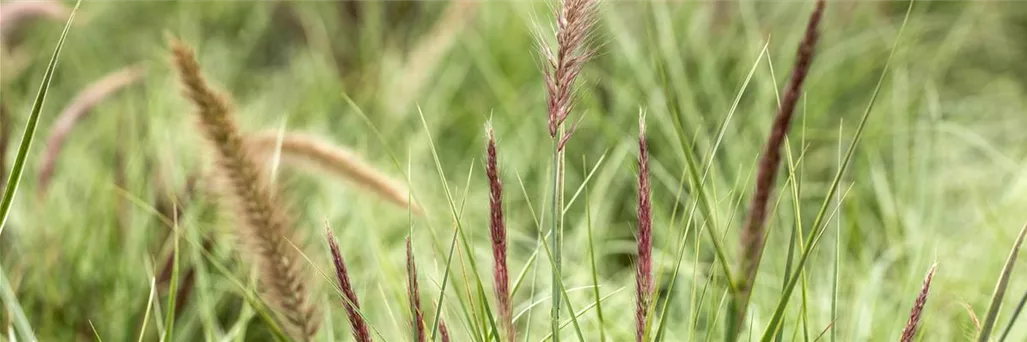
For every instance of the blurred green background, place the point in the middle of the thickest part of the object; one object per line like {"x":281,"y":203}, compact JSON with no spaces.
{"x":939,"y":175}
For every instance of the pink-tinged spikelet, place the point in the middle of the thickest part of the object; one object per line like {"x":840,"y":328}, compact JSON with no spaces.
{"x":350,"y":302}
{"x":574,"y":23}
{"x":497,"y":231}
{"x":918,"y":308}
{"x":644,"y":269}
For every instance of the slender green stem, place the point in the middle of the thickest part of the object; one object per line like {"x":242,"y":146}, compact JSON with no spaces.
{"x":554,"y":240}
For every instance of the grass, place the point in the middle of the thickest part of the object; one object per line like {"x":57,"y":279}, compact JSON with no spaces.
{"x":936,"y":174}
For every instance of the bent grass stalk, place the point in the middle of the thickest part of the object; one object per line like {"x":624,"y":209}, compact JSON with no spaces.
{"x":308,"y":150}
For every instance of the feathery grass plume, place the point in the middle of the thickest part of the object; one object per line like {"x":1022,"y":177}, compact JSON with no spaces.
{"x":356,"y":321}
{"x":574,"y":24}
{"x":644,"y":269}
{"x":753,"y":234}
{"x":991,"y":318}
{"x":83,"y":103}
{"x":414,"y":293}
{"x":497,"y":230}
{"x":309,"y":150}
{"x":264,"y":225}
{"x":918,"y":308}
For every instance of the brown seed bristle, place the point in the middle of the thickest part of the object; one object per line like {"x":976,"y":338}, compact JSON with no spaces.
{"x":574,"y":24}
{"x":918,"y":308}
{"x":263,"y":224}
{"x":753,"y":234}
{"x":497,"y":231}
{"x":644,"y":269}
{"x":414,"y":294}
{"x":350,"y":302}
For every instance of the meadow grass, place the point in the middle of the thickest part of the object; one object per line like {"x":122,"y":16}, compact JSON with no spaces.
{"x":133,"y":239}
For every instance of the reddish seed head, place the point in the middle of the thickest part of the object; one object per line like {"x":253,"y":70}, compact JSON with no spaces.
{"x":356,"y":321}
{"x":574,"y":23}
{"x":497,"y":231}
{"x":644,"y":270}
{"x":752,"y":234}
{"x":918,"y":308}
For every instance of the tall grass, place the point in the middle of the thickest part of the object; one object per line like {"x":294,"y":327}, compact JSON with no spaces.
{"x":652,"y":210}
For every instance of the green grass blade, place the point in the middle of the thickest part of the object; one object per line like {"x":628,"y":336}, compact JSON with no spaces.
{"x":30,"y":127}
{"x":815,"y":229}
{"x":21,"y":322}
{"x":1000,"y":289}
{"x":592,"y":260}
{"x":1012,"y":320}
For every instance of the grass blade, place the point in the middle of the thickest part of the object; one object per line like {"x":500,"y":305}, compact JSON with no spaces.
{"x":30,"y":127}
{"x":1000,"y":289}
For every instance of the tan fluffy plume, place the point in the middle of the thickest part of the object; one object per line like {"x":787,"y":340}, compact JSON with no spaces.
{"x":264,"y":225}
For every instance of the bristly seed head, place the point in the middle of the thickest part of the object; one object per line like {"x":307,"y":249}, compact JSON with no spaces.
{"x":753,"y":234}
{"x":497,"y":231}
{"x":350,"y":302}
{"x":918,"y":307}
{"x":574,"y":24}
{"x":644,"y":269}
{"x":263,"y":223}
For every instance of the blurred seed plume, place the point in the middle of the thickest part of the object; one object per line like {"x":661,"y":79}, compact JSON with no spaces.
{"x":918,"y":308}
{"x":644,"y":269}
{"x":311,"y":151}
{"x":497,"y":231}
{"x":575,"y":21}
{"x":753,"y":230}
{"x":356,"y":321}
{"x":264,"y":225}
{"x":83,"y":103}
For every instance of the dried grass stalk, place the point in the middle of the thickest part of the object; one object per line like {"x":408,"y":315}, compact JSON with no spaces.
{"x":644,"y":269}
{"x":83,"y":103}
{"x":574,"y":24}
{"x":350,"y":302}
{"x":309,"y":150}
{"x":753,"y":233}
{"x":263,"y":223}
{"x":918,"y":308}
{"x":497,"y":231}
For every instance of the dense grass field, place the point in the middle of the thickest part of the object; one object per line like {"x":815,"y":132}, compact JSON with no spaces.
{"x":120,"y":231}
